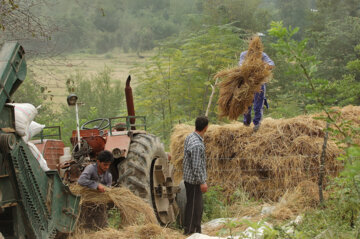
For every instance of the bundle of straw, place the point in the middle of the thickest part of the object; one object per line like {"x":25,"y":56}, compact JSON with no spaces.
{"x":283,"y":153}
{"x":239,"y":84}
{"x":133,"y":209}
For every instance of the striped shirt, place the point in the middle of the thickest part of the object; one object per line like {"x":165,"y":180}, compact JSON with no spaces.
{"x":194,"y":163}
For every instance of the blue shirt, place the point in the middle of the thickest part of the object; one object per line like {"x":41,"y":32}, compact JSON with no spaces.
{"x":194,"y":164}
{"x":265,"y":58}
{"x":91,"y":179}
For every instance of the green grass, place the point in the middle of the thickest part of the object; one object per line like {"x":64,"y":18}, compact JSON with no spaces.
{"x":114,"y":218}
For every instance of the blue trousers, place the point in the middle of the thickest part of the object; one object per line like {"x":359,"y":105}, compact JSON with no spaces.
{"x":258,"y":104}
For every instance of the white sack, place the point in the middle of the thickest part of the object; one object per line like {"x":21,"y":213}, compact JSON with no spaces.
{"x":34,"y":150}
{"x":33,"y":129}
{"x":24,"y":114}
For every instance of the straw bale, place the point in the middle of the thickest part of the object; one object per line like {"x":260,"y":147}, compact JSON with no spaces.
{"x":349,"y":115}
{"x":239,"y":84}
{"x":133,"y":209}
{"x":147,"y":231}
{"x":349,"y":112}
{"x":266,"y":164}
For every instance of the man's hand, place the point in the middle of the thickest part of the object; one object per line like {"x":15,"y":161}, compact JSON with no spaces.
{"x":203,"y":187}
{"x":101,"y":188}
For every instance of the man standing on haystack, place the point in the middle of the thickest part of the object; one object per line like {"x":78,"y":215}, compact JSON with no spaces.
{"x":194,"y":174}
{"x":259,"y":98}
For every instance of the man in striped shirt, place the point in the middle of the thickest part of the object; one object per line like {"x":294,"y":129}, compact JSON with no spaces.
{"x":194,"y":174}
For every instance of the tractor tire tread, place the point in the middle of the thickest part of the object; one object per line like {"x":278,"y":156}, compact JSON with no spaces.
{"x":144,"y":148}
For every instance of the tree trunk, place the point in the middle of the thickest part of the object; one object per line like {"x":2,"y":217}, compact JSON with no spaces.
{"x":211,"y":97}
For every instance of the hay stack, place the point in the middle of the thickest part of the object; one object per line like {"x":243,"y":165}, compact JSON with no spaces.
{"x":351,"y":112}
{"x":148,"y":231}
{"x":133,"y":209}
{"x":239,"y":84}
{"x":266,"y":164}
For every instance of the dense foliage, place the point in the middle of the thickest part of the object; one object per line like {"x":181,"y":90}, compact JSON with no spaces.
{"x":176,"y":84}
{"x":345,"y":196}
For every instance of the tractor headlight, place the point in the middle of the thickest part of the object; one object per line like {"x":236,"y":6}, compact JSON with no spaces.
{"x":116,"y":153}
{"x":72,"y":99}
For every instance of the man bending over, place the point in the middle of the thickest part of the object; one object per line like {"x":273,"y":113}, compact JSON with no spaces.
{"x":97,"y":176}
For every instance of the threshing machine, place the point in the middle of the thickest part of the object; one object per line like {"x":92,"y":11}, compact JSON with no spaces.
{"x":33,"y":203}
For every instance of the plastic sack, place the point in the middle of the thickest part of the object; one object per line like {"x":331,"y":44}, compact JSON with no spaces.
{"x":34,"y":150}
{"x":24,"y":114}
{"x":33,"y":129}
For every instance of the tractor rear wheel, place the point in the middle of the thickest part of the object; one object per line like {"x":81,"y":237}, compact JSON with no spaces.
{"x":148,"y":174}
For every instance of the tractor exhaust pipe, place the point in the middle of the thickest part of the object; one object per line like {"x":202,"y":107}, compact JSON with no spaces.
{"x":130,"y":102}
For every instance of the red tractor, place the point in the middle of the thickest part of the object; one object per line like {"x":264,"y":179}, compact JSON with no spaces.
{"x":141,"y":163}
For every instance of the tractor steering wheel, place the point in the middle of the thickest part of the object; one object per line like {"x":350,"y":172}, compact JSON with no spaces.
{"x":99,"y":126}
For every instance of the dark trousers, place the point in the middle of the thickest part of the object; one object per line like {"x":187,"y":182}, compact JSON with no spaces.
{"x":258,"y":104}
{"x":193,"y":209}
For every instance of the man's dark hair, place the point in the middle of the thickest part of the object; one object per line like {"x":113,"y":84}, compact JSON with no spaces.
{"x":201,"y":122}
{"x":105,"y":157}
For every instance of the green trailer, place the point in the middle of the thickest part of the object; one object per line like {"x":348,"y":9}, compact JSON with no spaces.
{"x":33,"y":203}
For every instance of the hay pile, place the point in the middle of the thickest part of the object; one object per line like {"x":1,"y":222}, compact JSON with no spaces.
{"x":265,"y":164}
{"x":133,"y":209}
{"x":147,"y":231}
{"x":304,"y":196}
{"x":239,"y":84}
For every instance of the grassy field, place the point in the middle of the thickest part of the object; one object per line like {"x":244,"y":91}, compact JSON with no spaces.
{"x":53,"y":72}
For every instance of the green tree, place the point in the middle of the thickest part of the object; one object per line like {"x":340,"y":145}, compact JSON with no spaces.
{"x":294,"y":13}
{"x":319,"y":91}
{"x":100,"y":26}
{"x":333,"y":34}
{"x":98,"y":92}
{"x":354,"y":66}
{"x":347,"y":190}
{"x":175,"y":86}
{"x":31,"y":92}
{"x":336,"y":46}
{"x":340,"y":88}
{"x":246,"y":14}
{"x":101,"y":97}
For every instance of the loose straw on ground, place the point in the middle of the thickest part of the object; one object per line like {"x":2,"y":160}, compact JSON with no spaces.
{"x":147,"y":231}
{"x":304,"y":196}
